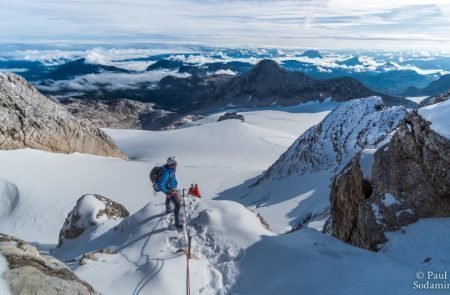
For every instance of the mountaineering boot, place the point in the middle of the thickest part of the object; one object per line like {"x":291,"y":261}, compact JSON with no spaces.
{"x":179,"y":226}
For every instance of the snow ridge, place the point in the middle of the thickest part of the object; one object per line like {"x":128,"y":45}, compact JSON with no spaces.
{"x":350,"y":128}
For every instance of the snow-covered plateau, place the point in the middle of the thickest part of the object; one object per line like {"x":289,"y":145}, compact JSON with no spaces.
{"x":244,"y":243}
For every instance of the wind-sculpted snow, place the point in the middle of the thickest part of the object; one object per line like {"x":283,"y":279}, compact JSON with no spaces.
{"x":9,"y":197}
{"x":148,"y":251}
{"x":351,"y":127}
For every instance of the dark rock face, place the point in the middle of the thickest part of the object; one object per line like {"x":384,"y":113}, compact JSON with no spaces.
{"x":89,"y":211}
{"x":231,"y":116}
{"x":29,"y":119}
{"x":439,"y":86}
{"x":33,"y":273}
{"x":410,"y":179}
{"x":186,"y":94}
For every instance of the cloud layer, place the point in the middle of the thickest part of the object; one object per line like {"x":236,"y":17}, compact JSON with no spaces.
{"x":401,"y":24}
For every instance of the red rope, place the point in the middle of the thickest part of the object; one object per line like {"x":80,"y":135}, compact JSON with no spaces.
{"x":187,"y":248}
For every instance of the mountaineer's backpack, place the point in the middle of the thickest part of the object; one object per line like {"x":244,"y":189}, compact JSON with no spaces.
{"x":155,"y":176}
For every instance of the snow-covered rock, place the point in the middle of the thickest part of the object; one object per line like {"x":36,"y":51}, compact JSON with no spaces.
{"x":29,"y":119}
{"x":89,"y":214}
{"x":351,"y":127}
{"x":410,"y":179}
{"x":29,"y":272}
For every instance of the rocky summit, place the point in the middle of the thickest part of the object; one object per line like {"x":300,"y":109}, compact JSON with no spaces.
{"x":29,"y":119}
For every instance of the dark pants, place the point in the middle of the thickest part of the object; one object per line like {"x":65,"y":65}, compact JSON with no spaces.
{"x":176,"y":202}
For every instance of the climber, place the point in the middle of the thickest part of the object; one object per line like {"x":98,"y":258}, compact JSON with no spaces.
{"x":168,"y":184}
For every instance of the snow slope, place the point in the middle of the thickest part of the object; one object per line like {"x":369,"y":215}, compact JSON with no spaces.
{"x":234,"y":253}
{"x":148,"y":256}
{"x":438,"y":114}
{"x":216,"y":155}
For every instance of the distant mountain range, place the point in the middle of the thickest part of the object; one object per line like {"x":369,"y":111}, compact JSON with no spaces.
{"x":312,"y":54}
{"x":266,"y":84}
{"x":142,"y":78}
{"x":30,"y":70}
{"x":80,"y":67}
{"x":232,"y":67}
{"x":387,"y":78}
{"x":393,"y":82}
{"x":437,"y":87}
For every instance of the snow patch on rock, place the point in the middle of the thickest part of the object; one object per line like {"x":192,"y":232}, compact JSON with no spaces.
{"x":92,"y":213}
{"x":389,"y":200}
{"x":366,"y":163}
{"x":377,"y":214}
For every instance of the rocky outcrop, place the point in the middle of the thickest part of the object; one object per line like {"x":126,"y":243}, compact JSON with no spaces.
{"x":29,"y":119}
{"x":407,"y":179}
{"x":30,"y":272}
{"x":90,"y":212}
{"x":350,"y":128}
{"x":231,"y":116}
{"x":120,"y":114}
{"x":183,"y":120}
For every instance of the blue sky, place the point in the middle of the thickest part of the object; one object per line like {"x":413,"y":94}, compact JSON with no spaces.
{"x":381,"y":24}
